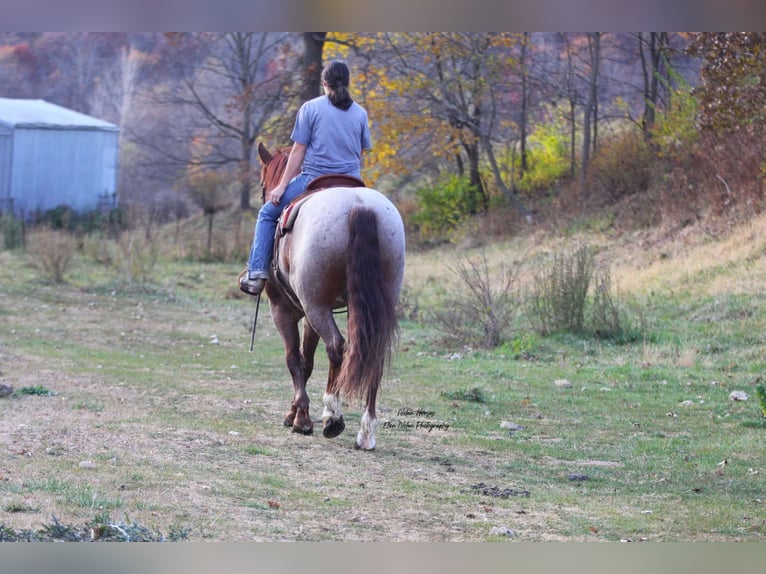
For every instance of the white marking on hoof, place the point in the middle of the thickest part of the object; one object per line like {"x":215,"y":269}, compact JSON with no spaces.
{"x":365,"y":440}
{"x":331,"y":407}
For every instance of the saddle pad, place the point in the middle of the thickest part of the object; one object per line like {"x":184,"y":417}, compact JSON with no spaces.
{"x":287,"y":219}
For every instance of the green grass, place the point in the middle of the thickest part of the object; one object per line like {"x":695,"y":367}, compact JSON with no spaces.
{"x":186,"y":435}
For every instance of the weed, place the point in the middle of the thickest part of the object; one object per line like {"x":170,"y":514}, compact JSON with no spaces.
{"x":62,"y":532}
{"x":36,"y":390}
{"x":258,"y":450}
{"x":89,"y":406}
{"x":12,"y":507}
{"x":52,"y":252}
{"x":482,"y":312}
{"x":137,"y":256}
{"x":522,"y":347}
{"x":474,"y":395}
{"x":101,"y":529}
{"x":560,"y":295}
{"x":760,"y":392}
{"x":86,"y":497}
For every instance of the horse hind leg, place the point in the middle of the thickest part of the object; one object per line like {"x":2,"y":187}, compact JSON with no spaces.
{"x":332,"y":417}
{"x":365,"y":438}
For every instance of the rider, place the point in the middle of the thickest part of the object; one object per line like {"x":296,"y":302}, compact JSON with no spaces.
{"x":329,"y":136}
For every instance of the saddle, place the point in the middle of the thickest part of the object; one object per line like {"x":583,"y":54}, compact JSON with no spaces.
{"x":287,"y":219}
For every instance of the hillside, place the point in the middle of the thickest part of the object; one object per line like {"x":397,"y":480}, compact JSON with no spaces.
{"x":643,"y":260}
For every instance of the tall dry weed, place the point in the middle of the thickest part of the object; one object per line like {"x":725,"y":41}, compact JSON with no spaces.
{"x":136,"y":256}
{"x":482,"y":312}
{"x":52,"y":251}
{"x":560,"y":292}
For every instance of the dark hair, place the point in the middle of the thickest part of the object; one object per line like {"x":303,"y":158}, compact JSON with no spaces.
{"x":336,"y":76}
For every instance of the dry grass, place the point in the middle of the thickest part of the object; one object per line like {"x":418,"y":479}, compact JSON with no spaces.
{"x":182,"y":425}
{"x":183,"y":433}
{"x":695,"y":257}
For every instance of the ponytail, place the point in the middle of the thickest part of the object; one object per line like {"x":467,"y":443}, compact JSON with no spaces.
{"x":336,"y":76}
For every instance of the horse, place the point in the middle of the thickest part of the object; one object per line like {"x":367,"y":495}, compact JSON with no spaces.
{"x":345,"y":249}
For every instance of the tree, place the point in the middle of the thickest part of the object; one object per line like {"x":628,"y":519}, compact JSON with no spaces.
{"x":524,"y":120}
{"x":24,"y":69}
{"x":313,"y":47}
{"x":233,"y":90}
{"x":594,"y":42}
{"x":443,"y":97}
{"x":208,"y":191}
{"x":654,"y":69}
{"x":567,"y":86}
{"x":733,"y":89}
{"x":114,"y":93}
{"x":76,"y":58}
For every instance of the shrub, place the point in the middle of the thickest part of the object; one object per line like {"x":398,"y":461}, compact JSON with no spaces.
{"x":560,"y":293}
{"x":608,"y":317}
{"x":12,"y":230}
{"x":442,"y":207}
{"x":575,"y":295}
{"x":621,"y":168}
{"x":137,"y":256}
{"x":53,"y":251}
{"x":604,"y":319}
{"x":100,"y":248}
{"x":86,"y":222}
{"x":547,"y":158}
{"x":676,"y":127}
{"x":482,"y":313}
{"x":473,"y":395}
{"x":760,"y":392}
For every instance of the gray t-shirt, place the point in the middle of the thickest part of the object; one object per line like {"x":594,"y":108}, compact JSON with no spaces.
{"x":334,"y":138}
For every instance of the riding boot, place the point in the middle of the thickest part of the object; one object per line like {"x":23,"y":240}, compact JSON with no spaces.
{"x":250,"y":285}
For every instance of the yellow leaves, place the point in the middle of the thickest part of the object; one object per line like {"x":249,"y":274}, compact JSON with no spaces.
{"x":420,"y":91}
{"x":337,"y":45}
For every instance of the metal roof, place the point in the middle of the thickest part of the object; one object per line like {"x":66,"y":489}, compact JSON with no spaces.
{"x":16,"y":113}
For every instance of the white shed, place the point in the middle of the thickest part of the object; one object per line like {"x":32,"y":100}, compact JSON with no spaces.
{"x":51,"y":156}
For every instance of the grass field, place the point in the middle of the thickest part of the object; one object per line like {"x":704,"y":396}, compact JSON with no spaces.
{"x":158,"y":415}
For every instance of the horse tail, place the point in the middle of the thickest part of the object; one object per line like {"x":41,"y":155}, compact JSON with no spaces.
{"x":372,"y":323}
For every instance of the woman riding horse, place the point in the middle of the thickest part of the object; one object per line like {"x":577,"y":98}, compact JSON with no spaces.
{"x":345,"y":246}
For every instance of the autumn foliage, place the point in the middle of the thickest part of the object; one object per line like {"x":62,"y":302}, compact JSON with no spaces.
{"x":465,"y":124}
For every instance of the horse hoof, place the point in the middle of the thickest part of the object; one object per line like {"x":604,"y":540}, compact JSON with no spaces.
{"x":364,"y":442}
{"x":333,"y":427}
{"x":307,"y":430}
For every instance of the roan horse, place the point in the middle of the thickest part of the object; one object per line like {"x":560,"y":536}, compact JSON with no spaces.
{"x":345,"y":249}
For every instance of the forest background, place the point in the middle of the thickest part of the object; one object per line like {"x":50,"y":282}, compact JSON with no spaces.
{"x":475,"y":134}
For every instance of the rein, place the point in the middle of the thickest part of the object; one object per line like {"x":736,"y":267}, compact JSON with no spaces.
{"x":255,"y":321}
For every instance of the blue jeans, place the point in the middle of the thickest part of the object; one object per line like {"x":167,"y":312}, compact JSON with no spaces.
{"x":266,"y":225}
